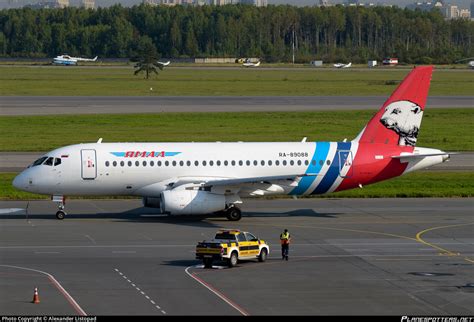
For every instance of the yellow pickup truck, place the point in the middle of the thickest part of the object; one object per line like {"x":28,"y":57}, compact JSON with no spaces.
{"x":230,"y":246}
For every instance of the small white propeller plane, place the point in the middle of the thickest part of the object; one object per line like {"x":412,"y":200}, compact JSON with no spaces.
{"x":163,"y":64}
{"x":206,"y":178}
{"x":69,"y":60}
{"x":250,"y":64}
{"x":341,"y":65}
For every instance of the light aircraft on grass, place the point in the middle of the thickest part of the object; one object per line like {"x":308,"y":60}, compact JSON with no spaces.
{"x":341,"y":65}
{"x":211,"y":178}
{"x":164,"y":63}
{"x":69,"y":60}
{"x":250,"y":64}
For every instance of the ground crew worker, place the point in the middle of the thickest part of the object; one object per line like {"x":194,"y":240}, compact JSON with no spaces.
{"x":285,"y":239}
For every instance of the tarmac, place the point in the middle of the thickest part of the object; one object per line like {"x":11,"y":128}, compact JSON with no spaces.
{"x":57,"y":105}
{"x":347,"y":257}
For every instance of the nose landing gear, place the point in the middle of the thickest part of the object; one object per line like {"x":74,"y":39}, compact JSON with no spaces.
{"x":61,"y":201}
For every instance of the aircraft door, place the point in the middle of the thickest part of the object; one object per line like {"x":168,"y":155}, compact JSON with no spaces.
{"x":345,"y":164}
{"x":88,"y":164}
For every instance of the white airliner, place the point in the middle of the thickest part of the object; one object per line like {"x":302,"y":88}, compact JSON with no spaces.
{"x":341,"y":65}
{"x":205,"y":178}
{"x":68,"y":60}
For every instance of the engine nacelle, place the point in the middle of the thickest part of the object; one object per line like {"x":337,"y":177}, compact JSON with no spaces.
{"x":151,"y":202}
{"x":191,"y":202}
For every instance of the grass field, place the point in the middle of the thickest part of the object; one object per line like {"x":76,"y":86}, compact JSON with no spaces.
{"x":447,"y":129}
{"x":107,"y":81}
{"x":418,"y":184}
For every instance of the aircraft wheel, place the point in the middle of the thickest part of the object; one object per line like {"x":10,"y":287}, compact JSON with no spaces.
{"x":60,"y":215}
{"x":234,"y":214}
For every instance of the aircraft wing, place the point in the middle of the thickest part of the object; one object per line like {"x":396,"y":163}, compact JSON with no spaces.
{"x":85,"y":59}
{"x":251,"y":180}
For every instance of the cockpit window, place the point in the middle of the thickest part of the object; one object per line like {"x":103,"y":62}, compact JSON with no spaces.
{"x":49,"y":161}
{"x":57,"y":161}
{"x":39,"y":161}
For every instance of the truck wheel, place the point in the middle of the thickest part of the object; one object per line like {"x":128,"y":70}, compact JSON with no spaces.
{"x":263,"y":255}
{"x":207,"y":263}
{"x":233,"y":259}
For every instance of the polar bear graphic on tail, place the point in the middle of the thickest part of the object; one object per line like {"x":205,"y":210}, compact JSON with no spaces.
{"x":404,"y":118}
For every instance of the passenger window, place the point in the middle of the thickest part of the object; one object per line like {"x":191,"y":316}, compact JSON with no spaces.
{"x":122,"y":163}
{"x":241,"y":163}
{"x":284,"y":162}
{"x":226,"y":163}
{"x":277,"y":162}
{"x":49,"y":162}
{"x":167,"y":163}
{"x":204,"y":163}
{"x":196,"y":163}
{"x":188,"y":163}
{"x":269,"y":162}
{"x":174,"y":163}
{"x":114,"y":163}
{"x":137,"y":163}
{"x":292,"y":162}
{"x":321,"y":162}
{"x":328,"y":162}
{"x":152,"y":163}
{"x":144,"y":163}
{"x":218,"y":163}
{"x":57,"y":161}
{"x":313,"y":162}
{"x":233,"y":163}
{"x":107,"y":163}
{"x":255,"y":162}
{"x":299,"y":162}
{"x":241,"y":238}
{"x":158,"y":163}
{"x":262,"y":163}
{"x":306,"y":162}
{"x":129,"y":163}
{"x":211,"y":163}
{"x":247,"y":162}
{"x":181,"y":163}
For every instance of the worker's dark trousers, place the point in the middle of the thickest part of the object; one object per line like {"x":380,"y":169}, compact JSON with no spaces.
{"x":284,"y":250}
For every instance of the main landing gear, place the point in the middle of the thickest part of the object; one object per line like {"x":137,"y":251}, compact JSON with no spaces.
{"x":61,"y":201}
{"x":233,"y":213}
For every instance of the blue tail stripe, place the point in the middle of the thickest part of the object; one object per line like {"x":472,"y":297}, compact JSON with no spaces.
{"x":333,"y":171}
{"x":320,"y":153}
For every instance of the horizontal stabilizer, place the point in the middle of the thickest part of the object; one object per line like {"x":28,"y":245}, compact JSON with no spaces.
{"x":420,"y":156}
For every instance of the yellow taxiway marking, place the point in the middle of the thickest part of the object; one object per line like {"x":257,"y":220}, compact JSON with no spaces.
{"x":417,"y":238}
{"x":443,"y":250}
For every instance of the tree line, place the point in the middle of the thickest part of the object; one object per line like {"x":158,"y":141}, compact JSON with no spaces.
{"x":329,"y":33}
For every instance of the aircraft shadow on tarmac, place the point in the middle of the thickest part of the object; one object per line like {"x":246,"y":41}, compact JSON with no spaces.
{"x":149,"y":216}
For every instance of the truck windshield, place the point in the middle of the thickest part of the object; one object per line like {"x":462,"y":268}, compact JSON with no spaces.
{"x":225,"y":236}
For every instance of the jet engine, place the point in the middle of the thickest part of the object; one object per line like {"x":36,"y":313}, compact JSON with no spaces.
{"x":151,"y":202}
{"x":191,"y":202}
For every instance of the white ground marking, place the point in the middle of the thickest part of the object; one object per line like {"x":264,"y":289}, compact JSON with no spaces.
{"x":216,"y":292}
{"x":139,"y":290}
{"x":69,"y":298}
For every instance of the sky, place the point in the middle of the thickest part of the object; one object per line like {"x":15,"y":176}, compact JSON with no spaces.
{"x":401,"y":3}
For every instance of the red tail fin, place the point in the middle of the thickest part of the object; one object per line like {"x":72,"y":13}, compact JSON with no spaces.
{"x":399,"y":119}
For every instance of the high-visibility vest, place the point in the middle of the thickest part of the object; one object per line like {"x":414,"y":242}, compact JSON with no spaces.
{"x":285,"y":238}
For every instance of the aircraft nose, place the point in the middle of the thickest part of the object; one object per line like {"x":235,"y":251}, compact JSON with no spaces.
{"x":20,"y":182}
